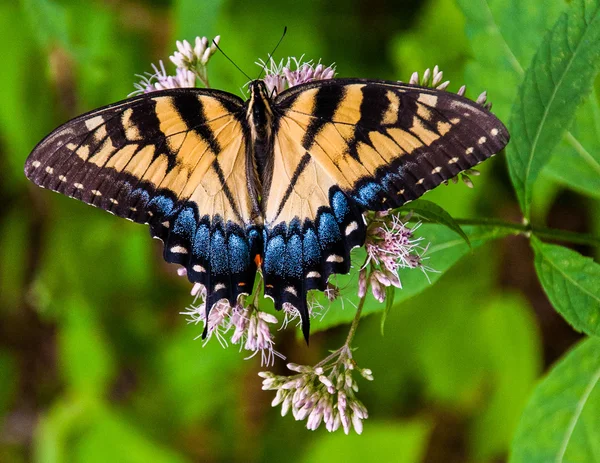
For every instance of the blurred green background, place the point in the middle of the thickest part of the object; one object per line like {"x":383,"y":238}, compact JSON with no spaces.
{"x":96,"y":364}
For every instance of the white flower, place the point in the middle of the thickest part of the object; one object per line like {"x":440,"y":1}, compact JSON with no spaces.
{"x":323,"y":394}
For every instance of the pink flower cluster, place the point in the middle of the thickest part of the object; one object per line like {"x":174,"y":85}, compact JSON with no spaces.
{"x":390,"y":245}
{"x":294,"y":71}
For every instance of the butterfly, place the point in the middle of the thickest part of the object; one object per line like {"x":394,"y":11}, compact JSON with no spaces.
{"x":277,"y":183}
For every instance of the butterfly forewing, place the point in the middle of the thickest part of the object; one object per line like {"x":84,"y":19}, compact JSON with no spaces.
{"x":387,"y":143}
{"x":175,"y":159}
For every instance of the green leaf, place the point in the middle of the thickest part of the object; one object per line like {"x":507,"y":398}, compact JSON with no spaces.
{"x":576,"y":162}
{"x":435,"y":214}
{"x":406,"y":441}
{"x":189,"y":363}
{"x":390,"y":293}
{"x":51,"y":439}
{"x":504,"y":35}
{"x":560,"y":75}
{"x":561,"y":422}
{"x":572,"y":283}
{"x":444,"y":251}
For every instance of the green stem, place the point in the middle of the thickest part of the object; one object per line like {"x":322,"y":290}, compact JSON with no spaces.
{"x":542,"y":232}
{"x":354,"y":325}
{"x":352,"y":331}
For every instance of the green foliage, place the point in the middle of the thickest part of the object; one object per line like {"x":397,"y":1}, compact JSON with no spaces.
{"x":434,"y":213}
{"x":205,"y":15}
{"x":405,"y":441}
{"x":513,"y":369}
{"x":571,"y":283}
{"x":458,"y":352}
{"x":82,"y":430}
{"x":87,"y":362}
{"x":438,"y":21}
{"x":93,"y":353}
{"x":576,"y":161}
{"x":390,"y":294}
{"x":504,"y":35}
{"x":560,"y":76}
{"x":561,"y":422}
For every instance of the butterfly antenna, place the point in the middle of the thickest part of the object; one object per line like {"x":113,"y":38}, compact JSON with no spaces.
{"x":230,"y":60}
{"x":270,"y":55}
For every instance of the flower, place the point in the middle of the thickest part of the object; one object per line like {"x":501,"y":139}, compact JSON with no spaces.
{"x":434,"y":80}
{"x":321,"y":394}
{"x":307,"y":72}
{"x":191,"y":63}
{"x":390,"y":246}
{"x":195,"y":59}
{"x":294,"y":71}
{"x":159,"y":80}
{"x":245,"y":325}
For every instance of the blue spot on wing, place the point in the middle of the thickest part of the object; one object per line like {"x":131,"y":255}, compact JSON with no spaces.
{"x":162,"y":204}
{"x":389,"y":181}
{"x":329,"y":231}
{"x":218,"y":253}
{"x":367,"y":194}
{"x":202,"y":242}
{"x":293,"y":258}
{"x":340,"y":206}
{"x":140,"y":197}
{"x":185,"y":224}
{"x":274,"y":255}
{"x":238,"y":254}
{"x":311,"y":252}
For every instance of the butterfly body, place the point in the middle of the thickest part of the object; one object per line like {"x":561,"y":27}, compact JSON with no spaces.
{"x":279,"y":182}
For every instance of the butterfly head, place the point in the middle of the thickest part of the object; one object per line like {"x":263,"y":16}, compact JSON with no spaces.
{"x":259,"y":111}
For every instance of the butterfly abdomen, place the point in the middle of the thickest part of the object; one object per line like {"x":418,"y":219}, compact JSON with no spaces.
{"x":259,"y":114}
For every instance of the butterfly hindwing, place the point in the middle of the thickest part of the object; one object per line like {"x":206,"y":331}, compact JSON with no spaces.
{"x":175,"y":159}
{"x":310,"y":223}
{"x":343,"y":146}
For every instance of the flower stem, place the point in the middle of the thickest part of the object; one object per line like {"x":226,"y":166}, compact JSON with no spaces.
{"x":356,"y":320}
{"x":542,"y":232}
{"x":351,"y":333}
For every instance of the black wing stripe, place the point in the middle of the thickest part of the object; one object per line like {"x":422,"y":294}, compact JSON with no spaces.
{"x":217,"y":167}
{"x":299,"y":169}
{"x":327,"y":101}
{"x":192,"y":112}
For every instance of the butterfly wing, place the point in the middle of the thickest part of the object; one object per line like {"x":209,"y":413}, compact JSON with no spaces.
{"x":343,"y":146}
{"x":177,"y":160}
